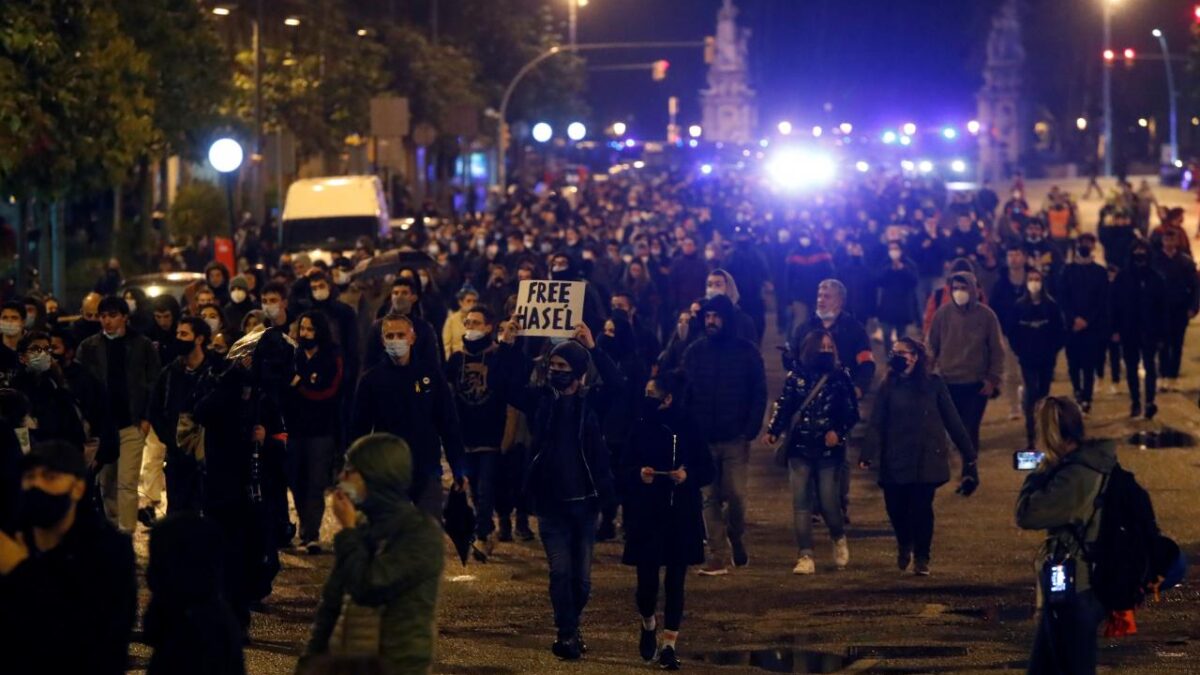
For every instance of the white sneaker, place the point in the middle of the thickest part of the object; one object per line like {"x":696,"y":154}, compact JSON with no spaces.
{"x":841,"y":553}
{"x":805,"y":565}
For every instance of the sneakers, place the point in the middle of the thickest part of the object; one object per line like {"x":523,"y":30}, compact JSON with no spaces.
{"x":921,"y":568}
{"x":713,"y":568}
{"x":841,"y":553}
{"x":607,"y":531}
{"x":903,"y":560}
{"x":1135,"y":409}
{"x":740,"y":557}
{"x":147,"y":515}
{"x":505,"y":531}
{"x":647,"y":645}
{"x":1151,"y":410}
{"x":805,"y":566}
{"x":568,"y":649}
{"x":482,"y":550}
{"x":667,"y":659}
{"x":311,"y":547}
{"x":522,"y":530}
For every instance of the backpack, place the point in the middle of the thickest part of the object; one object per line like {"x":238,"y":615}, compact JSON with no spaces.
{"x":1120,"y":560}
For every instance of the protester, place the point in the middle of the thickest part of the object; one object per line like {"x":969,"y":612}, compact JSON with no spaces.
{"x":912,"y":417}
{"x":453,"y":331}
{"x":727,"y":397}
{"x":1139,"y":298}
{"x":1182,"y":303}
{"x":1036,"y":335}
{"x":817,"y":409}
{"x":1084,"y":300}
{"x":65,"y":575}
{"x":381,"y":595}
{"x":665,"y":467}
{"x":173,"y":397}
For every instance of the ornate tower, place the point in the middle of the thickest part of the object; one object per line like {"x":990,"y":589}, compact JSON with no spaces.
{"x":1002,"y":122}
{"x":730,"y":115}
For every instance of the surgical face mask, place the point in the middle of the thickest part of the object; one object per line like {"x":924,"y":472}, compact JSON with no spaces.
{"x":546,"y":247}
{"x":432,"y":250}
{"x":132,"y":304}
{"x":347,"y":488}
{"x":558,"y":269}
{"x":214,"y":325}
{"x":1034,"y":238}
{"x":272,"y":311}
{"x":826,"y":314}
{"x":472,"y":335}
{"x":237,"y":295}
{"x":397,"y":349}
{"x":40,"y":363}
{"x":710,"y":254}
{"x":402,"y":305}
{"x":1034,"y":287}
{"x":961,"y":297}
{"x":29,"y":321}
{"x":340,"y":277}
{"x":10,"y":328}
{"x":424,"y":280}
{"x":42,"y":509}
{"x":561,"y":379}
{"x":321,"y":294}
{"x":895,"y":253}
{"x":713,"y":292}
{"x":805,"y":241}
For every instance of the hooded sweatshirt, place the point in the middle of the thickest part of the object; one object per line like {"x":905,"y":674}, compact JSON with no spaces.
{"x":387,"y":566}
{"x":964,"y":342}
{"x":727,"y":383}
{"x":742,"y":322}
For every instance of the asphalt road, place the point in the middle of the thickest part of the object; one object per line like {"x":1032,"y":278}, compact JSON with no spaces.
{"x":972,"y":615}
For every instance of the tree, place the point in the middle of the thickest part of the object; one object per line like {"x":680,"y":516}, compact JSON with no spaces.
{"x":198,"y":211}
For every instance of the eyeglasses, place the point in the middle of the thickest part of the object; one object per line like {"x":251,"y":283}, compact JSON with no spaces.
{"x":36,"y":349}
{"x":897,"y":352}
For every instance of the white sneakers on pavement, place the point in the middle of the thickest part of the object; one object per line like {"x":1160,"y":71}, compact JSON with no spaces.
{"x":805,"y":565}
{"x":841,"y":553}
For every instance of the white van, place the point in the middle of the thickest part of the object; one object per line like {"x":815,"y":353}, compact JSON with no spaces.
{"x":328,"y":215}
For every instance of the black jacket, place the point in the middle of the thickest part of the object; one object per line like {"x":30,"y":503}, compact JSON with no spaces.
{"x":1182,"y":290}
{"x":727,"y":387}
{"x":479,"y":382}
{"x":834,"y":408}
{"x":429,"y":347}
{"x":52,"y":406}
{"x":413,"y":402}
{"x":853,"y":346}
{"x":1139,"y":305}
{"x":141,"y":366}
{"x":897,"y":295}
{"x":664,"y":522}
{"x":175,"y":393}
{"x":312,"y":407}
{"x":1036,"y":331}
{"x":1083,"y":292}
{"x":71,"y":609}
{"x":907,"y":436}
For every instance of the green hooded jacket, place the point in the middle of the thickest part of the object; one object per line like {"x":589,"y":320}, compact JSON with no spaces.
{"x":386,"y":568}
{"x":1061,"y":500}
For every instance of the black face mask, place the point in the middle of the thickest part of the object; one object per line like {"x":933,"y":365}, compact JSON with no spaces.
{"x":184,"y":347}
{"x":1085,"y":251}
{"x":823,"y":361}
{"x":1141,"y":259}
{"x":476,"y":346}
{"x":307,"y":343}
{"x":650,"y":406}
{"x":898,"y":363}
{"x":42,"y":509}
{"x":561,"y":380}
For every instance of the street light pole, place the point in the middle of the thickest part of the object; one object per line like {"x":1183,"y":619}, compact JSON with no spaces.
{"x":1108,"y":111}
{"x":256,"y":169}
{"x":572,"y":20}
{"x":1162,"y":41}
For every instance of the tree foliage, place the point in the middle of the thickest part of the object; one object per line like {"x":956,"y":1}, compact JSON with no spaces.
{"x":198,"y":211}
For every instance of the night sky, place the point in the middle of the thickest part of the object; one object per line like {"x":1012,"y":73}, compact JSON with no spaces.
{"x":881,"y":62}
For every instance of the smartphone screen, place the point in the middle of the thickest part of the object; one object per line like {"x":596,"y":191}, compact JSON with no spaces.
{"x":1027,"y":460}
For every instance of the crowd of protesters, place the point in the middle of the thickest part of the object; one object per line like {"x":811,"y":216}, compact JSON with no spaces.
{"x":256,"y":380}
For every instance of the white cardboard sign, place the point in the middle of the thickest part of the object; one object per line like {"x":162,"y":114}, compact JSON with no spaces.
{"x":549,"y":308}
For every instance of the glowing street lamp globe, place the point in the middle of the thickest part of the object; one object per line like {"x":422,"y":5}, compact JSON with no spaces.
{"x":542,"y":132}
{"x":576,"y":131}
{"x":226,"y":155}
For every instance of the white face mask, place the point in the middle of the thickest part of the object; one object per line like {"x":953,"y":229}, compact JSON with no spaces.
{"x":10,"y":328}
{"x":213,"y":325}
{"x":895,"y":253}
{"x":713,"y":292}
{"x":471,"y":335}
{"x":321,"y":294}
{"x":237,"y":295}
{"x":961,"y":298}
{"x":1034,"y":287}
{"x":826,"y":314}
{"x":132,"y":304}
{"x":805,"y":241}
{"x":341,"y":278}
{"x":272,"y":311}
{"x":397,"y":349}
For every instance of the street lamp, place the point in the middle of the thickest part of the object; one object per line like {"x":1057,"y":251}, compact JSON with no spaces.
{"x":1081,"y":124}
{"x":817,"y":131}
{"x":785,"y":128}
{"x":576,"y":131}
{"x":542,"y":132}
{"x":973,"y":127}
{"x":695,"y":131}
{"x":910,"y":129}
{"x":618,"y":128}
{"x":220,"y":11}
{"x":226,"y":155}
{"x":291,"y":21}
{"x":1174,"y":120}
{"x":573,"y":18}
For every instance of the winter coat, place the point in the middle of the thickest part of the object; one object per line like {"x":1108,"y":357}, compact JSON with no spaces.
{"x":807,"y":266}
{"x":860,"y":286}
{"x":834,"y":408}
{"x":907,"y":436}
{"x":853,"y":346}
{"x":313,"y":403}
{"x":51,"y":406}
{"x":175,"y":393}
{"x":664,"y":522}
{"x":141,"y":367}
{"x":1083,"y":290}
{"x":1061,"y":500}
{"x":727,"y":386}
{"x":479,"y":380}
{"x":1179,"y":274}
{"x":381,"y":595}
{"x":1139,"y":305}
{"x":964,"y":342}
{"x":897,"y":299}
{"x":1036,"y":333}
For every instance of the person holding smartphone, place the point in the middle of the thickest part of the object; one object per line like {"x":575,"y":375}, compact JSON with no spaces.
{"x":665,"y":466}
{"x":1060,"y":498}
{"x":907,"y":437}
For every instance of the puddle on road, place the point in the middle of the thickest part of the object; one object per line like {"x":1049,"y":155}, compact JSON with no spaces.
{"x":792,"y":660}
{"x":1165,"y":437}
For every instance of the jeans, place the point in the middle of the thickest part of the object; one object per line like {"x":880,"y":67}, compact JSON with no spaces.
{"x":910,"y":508}
{"x":1065,"y":642}
{"x":152,"y":468}
{"x":725,"y":497}
{"x":1133,"y":351}
{"x":828,"y":474}
{"x":1037,"y":387}
{"x":120,"y":480}
{"x":970,"y":405}
{"x":185,"y":482}
{"x":647,"y":593}
{"x":1085,"y":355}
{"x":568,"y":532}
{"x":1171,"y":353}
{"x":310,"y":472}
{"x":480,"y":467}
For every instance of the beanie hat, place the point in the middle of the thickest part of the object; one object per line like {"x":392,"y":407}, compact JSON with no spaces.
{"x":239,"y":282}
{"x":575,"y":355}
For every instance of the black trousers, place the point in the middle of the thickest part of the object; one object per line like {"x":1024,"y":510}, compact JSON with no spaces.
{"x":1085,"y":358}
{"x":509,"y":496}
{"x":1134,"y":352}
{"x":1170,"y":354}
{"x":1037,"y":387}
{"x":1065,"y":643}
{"x":910,"y":508}
{"x":616,"y":450}
{"x":647,"y":593}
{"x":1113,"y":351}
{"x":185,"y":482}
{"x":310,"y":472}
{"x":970,"y":405}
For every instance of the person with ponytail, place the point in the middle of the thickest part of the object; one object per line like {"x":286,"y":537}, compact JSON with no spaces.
{"x":1060,"y":497}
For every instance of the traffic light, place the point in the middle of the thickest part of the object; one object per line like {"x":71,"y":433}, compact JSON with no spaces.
{"x":1130,"y":56}
{"x":658,"y":70}
{"x":710,"y":45}
{"x":1109,"y":56}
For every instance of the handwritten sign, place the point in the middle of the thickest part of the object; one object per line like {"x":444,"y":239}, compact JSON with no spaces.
{"x":549,"y":308}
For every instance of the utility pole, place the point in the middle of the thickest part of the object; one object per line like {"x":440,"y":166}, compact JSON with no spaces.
{"x":1162,"y":41}
{"x":573,"y":21}
{"x":1108,"y":109}
{"x":256,"y":153}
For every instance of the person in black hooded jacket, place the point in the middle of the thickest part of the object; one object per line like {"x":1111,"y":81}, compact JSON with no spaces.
{"x":1036,"y":335}
{"x":663,"y":471}
{"x":1139,"y":322}
{"x":619,"y":343}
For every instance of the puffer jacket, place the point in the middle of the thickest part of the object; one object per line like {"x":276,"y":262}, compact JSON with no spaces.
{"x":727,"y":393}
{"x":834,"y":408}
{"x":1062,"y":500}
{"x":384,"y":584}
{"x":907,"y":435}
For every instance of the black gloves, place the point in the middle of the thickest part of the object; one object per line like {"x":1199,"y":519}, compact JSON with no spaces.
{"x":970,"y":480}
